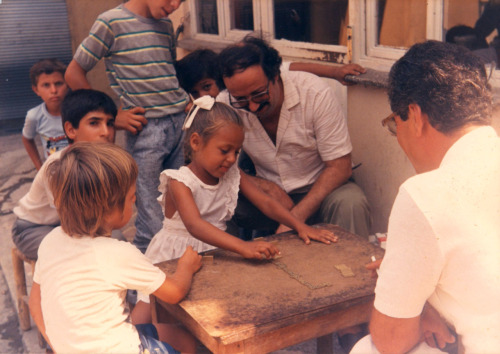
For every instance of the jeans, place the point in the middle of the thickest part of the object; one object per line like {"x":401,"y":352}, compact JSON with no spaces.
{"x":156,"y":148}
{"x":150,"y":342}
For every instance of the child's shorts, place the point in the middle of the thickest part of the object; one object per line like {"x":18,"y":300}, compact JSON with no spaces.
{"x":150,"y":342}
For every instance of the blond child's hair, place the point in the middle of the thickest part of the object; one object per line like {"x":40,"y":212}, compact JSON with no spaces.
{"x":89,"y":182}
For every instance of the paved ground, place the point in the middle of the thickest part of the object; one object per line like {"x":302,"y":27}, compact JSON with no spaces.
{"x":16,"y":174}
{"x":10,"y":335}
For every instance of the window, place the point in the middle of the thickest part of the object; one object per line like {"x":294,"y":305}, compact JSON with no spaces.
{"x":392,"y":26}
{"x":313,"y":29}
{"x":207,"y":17}
{"x":319,"y":29}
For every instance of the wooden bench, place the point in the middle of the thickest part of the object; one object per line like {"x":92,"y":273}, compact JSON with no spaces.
{"x":18,"y":260}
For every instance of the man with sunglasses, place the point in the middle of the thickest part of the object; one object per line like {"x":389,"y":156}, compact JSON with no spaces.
{"x":297,"y":138}
{"x":440,"y":272}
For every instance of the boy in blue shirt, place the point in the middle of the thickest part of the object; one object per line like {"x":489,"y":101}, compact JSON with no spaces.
{"x":47,"y":81}
{"x":137,"y":43}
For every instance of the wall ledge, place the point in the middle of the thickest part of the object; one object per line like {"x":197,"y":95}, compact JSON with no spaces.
{"x":380,"y":79}
{"x":372,"y":78}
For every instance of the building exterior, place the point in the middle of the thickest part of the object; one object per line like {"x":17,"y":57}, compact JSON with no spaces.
{"x":373,"y":33}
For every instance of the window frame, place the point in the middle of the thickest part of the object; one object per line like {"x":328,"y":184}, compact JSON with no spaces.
{"x":365,"y":50}
{"x":362,"y":20}
{"x":263,"y":22}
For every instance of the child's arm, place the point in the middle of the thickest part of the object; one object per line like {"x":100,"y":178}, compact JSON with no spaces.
{"x":76,"y":76}
{"x":132,"y":119}
{"x":35,"y":304}
{"x":276,"y":211}
{"x":176,"y":287}
{"x":334,"y":72}
{"x":30,"y":146}
{"x":203,"y":230}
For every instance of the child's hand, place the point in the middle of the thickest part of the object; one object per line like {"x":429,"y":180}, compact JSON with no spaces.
{"x":259,"y":250}
{"x":132,"y":120}
{"x":348,"y":69}
{"x":308,"y":233}
{"x":190,"y":260}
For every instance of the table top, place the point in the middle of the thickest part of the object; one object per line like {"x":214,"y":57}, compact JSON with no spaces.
{"x":233,"y":298}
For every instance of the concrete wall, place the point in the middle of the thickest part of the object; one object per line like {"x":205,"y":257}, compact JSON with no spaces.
{"x":384,"y":164}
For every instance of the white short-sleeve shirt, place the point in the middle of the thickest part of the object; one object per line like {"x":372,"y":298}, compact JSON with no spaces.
{"x":311,"y":130}
{"x":83,"y":283}
{"x":443,"y":243}
{"x":37,"y":206}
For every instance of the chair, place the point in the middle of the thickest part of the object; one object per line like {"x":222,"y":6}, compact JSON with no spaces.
{"x":18,"y":259}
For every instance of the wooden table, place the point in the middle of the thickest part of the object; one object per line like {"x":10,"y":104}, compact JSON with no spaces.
{"x":237,"y":305}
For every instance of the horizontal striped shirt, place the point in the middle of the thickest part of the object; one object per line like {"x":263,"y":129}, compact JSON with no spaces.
{"x":139,"y":55}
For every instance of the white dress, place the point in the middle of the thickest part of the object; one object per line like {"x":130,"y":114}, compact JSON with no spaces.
{"x":215,"y":203}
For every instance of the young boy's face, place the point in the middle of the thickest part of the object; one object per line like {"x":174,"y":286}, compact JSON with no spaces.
{"x":158,"y":9}
{"x":51,"y":88}
{"x":205,"y":87}
{"x":119,"y":218}
{"x":94,"y":126}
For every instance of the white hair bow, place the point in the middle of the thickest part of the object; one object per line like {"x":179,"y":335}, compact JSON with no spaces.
{"x":205,"y":102}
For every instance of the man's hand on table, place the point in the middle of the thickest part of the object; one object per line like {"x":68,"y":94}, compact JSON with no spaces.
{"x":308,"y":233}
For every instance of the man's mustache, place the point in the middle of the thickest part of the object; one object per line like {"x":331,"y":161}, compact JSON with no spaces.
{"x":261,"y":107}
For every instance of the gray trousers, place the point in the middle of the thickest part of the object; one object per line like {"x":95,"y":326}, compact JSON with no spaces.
{"x":27,"y":236}
{"x":346,"y":207}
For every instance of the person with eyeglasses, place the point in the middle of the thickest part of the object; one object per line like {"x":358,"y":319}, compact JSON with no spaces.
{"x":297,"y":138}
{"x":438,"y":284}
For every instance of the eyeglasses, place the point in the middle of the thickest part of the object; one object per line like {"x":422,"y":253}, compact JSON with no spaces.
{"x":259,"y":98}
{"x":390,"y":123}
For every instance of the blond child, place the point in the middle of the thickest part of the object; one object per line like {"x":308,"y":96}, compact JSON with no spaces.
{"x":200,"y":197}
{"x":44,"y":120}
{"x":82,"y":274}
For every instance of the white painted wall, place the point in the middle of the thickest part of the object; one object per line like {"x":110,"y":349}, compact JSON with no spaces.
{"x":384,"y":165}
